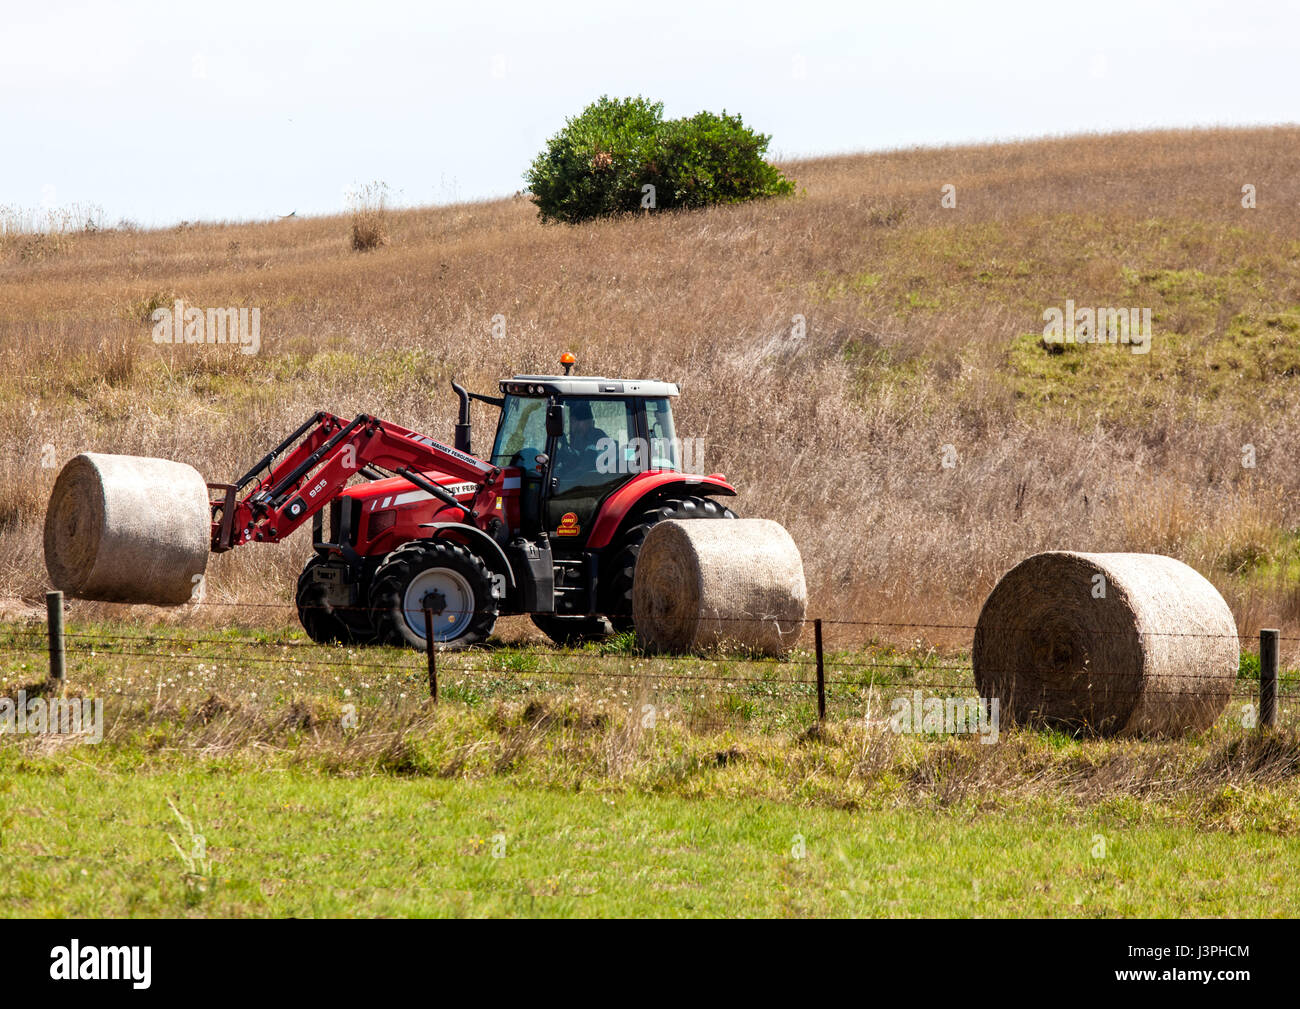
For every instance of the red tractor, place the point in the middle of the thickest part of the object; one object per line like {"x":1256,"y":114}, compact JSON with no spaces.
{"x":549,"y":524}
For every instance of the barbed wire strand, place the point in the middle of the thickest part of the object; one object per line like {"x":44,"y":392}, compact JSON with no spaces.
{"x":832,"y":621}
{"x":417,"y":671}
{"x":584,"y":656}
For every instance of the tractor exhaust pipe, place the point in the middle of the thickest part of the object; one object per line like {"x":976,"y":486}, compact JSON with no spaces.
{"x":462,"y":441}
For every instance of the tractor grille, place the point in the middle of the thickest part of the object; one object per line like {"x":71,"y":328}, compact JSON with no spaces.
{"x":345,"y":516}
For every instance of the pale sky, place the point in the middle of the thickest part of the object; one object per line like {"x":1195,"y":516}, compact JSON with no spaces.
{"x":160,"y":112}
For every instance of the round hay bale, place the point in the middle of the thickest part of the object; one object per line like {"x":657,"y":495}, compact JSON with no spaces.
{"x":1132,"y":644}
{"x":127,"y":529}
{"x":703,"y":585}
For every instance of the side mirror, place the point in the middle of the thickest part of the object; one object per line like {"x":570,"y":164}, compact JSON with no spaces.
{"x":555,"y":421}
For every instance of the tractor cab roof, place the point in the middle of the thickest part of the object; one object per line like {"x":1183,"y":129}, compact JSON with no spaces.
{"x":586,"y":385}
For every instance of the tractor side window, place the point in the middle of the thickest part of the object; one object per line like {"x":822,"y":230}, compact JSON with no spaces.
{"x":521,"y":433}
{"x":599,"y":444}
{"x":664,"y":452}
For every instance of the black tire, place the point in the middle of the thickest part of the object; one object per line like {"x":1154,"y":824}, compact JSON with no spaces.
{"x":569,"y":631}
{"x":326,"y":624}
{"x":618,"y":599}
{"x":464,"y":610}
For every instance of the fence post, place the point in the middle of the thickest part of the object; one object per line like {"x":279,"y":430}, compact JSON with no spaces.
{"x":54,"y":621}
{"x":1268,"y":641}
{"x":432,"y":649}
{"x":821,"y":671}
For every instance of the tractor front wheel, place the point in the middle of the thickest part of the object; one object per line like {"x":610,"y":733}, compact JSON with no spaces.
{"x":442,"y":576}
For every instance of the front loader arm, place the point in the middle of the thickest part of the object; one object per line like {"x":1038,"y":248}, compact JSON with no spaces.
{"x":326,"y":453}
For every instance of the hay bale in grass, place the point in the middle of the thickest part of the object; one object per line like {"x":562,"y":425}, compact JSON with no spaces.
{"x":705,"y":585}
{"x":1132,"y":644}
{"x":127,"y":529}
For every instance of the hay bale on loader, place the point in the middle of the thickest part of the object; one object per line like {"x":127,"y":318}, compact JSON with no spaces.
{"x":127,"y":529}
{"x":703,"y":585}
{"x":1116,"y":643}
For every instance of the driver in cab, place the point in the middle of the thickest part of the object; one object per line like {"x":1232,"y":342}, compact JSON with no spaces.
{"x":578,"y":452}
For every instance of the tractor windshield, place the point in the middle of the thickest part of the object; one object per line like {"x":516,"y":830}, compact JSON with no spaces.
{"x":521,"y":435}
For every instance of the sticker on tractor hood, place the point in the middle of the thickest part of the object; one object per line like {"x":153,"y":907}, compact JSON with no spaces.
{"x":568,"y":525}
{"x":454,"y":453}
{"x":411,"y":496}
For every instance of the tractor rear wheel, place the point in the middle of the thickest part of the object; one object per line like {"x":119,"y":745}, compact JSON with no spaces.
{"x":325,"y":623}
{"x":569,"y":631}
{"x":618,"y":600}
{"x":446,"y":577}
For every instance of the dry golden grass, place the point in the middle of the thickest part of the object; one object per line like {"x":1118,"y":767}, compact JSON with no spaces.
{"x":370,"y":217}
{"x":916,"y":322}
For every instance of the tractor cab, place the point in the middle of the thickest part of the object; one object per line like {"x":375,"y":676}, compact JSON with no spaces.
{"x":577,"y":439}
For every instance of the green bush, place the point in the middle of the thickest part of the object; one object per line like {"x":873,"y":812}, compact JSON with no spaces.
{"x":599,"y":163}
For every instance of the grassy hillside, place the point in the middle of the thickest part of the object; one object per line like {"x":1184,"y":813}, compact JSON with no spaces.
{"x":923,"y":330}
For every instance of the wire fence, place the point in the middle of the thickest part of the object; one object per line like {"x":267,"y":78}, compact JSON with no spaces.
{"x":1241,"y":688}
{"x":840,"y":675}
{"x":808,"y":621}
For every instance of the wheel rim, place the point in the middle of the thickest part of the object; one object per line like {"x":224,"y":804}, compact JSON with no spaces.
{"x":450,"y":598}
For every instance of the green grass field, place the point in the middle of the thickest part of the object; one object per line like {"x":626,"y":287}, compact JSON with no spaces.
{"x":83,"y":840}
{"x":252,"y":773}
